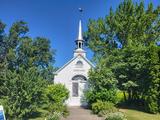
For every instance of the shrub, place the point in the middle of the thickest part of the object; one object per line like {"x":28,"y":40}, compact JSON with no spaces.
{"x":22,"y":93}
{"x":56,"y":95}
{"x":102,"y":108}
{"x":91,"y":96}
{"x":116,"y":116}
{"x":54,"y":116}
{"x":59,"y":107}
{"x":120,"y":96}
{"x":102,"y":86}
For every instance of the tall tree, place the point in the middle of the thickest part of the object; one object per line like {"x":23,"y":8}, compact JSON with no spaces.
{"x":26,"y":68}
{"x":123,"y":39}
{"x":129,"y":25}
{"x":153,"y":92}
{"x":2,"y":42}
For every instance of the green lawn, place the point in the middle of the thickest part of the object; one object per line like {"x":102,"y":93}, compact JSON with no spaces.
{"x":138,"y":115}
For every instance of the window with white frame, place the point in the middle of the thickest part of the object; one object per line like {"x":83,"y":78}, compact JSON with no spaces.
{"x":79,"y":63}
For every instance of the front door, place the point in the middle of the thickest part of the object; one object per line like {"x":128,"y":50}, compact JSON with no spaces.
{"x":79,"y":85}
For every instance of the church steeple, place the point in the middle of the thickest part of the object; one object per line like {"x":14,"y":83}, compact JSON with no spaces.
{"x":79,"y":41}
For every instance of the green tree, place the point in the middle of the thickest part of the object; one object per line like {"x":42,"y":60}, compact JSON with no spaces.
{"x":123,"y":39}
{"x":129,"y":25}
{"x":3,"y":45}
{"x":153,"y":93}
{"x":102,"y":85}
{"x":22,"y":92}
{"x":25,"y":70}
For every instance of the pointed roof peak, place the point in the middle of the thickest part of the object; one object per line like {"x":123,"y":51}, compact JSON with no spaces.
{"x":80,"y":36}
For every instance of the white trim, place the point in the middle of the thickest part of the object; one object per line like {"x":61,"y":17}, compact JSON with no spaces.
{"x":65,"y":65}
{"x":93,"y":66}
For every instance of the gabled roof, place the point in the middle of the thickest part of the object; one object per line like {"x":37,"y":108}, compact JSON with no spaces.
{"x":93,"y":66}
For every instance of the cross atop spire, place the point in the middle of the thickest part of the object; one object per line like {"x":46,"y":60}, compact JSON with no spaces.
{"x":80,"y":36}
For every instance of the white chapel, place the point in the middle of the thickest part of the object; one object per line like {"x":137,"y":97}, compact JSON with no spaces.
{"x":74,"y":74}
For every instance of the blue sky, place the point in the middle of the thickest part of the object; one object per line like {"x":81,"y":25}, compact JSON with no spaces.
{"x":57,"y":20}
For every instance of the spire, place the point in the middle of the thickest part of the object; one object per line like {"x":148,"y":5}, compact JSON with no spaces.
{"x":80,"y":36}
{"x":79,"y":41}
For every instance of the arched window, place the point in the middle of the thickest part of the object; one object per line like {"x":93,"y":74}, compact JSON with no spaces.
{"x":79,"y":63}
{"x":79,"y":77}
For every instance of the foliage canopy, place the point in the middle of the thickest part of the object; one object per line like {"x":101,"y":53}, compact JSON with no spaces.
{"x":125,"y":43}
{"x":25,"y":70}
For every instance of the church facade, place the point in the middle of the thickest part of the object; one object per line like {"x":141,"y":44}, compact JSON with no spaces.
{"x":74,"y":74}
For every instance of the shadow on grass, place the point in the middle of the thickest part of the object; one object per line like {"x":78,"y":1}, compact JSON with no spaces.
{"x":139,"y":106}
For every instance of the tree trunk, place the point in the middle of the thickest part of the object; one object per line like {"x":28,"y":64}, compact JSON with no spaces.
{"x":124,"y":94}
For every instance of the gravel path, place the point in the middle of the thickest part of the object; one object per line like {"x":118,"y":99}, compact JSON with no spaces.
{"x":79,"y":113}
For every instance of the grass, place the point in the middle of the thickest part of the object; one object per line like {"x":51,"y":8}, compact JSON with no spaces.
{"x":139,"y":115}
{"x":135,"y":112}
